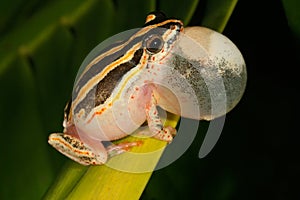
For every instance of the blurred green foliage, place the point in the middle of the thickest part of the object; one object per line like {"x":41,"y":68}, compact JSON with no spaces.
{"x":42,"y":44}
{"x":291,"y":8}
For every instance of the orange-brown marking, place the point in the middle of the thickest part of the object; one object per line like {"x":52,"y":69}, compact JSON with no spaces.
{"x":150,"y":18}
{"x":96,"y":113}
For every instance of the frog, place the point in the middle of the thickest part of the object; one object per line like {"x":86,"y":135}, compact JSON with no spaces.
{"x":117,"y":85}
{"x":192,"y":72}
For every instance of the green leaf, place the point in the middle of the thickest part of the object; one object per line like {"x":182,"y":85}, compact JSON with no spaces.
{"x":23,"y":150}
{"x":70,"y":174}
{"x":291,"y":8}
{"x":127,"y":20}
{"x":36,"y":31}
{"x":183,"y":10}
{"x":217,"y":13}
{"x":14,"y":13}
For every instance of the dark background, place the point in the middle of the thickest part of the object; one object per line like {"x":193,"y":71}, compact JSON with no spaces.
{"x":257,"y":155}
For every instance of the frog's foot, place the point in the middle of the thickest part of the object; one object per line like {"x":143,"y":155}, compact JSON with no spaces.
{"x":116,"y":149}
{"x":155,"y":124}
{"x":77,"y":150}
{"x":166,"y":134}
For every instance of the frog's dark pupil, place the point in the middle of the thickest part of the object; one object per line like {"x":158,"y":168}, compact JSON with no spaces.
{"x":156,"y":43}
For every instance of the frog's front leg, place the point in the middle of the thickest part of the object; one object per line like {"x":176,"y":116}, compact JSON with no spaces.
{"x":156,"y":127}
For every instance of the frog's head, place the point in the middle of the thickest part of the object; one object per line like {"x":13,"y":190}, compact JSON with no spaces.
{"x":161,"y":34}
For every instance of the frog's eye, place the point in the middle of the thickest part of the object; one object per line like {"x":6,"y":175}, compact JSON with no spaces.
{"x":154,"y":43}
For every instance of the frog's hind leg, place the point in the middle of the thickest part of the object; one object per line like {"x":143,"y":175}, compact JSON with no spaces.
{"x":79,"y":151}
{"x":155,"y":125}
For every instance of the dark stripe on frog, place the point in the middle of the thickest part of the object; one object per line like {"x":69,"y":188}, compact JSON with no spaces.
{"x":102,"y":91}
{"x":99,"y":66}
{"x":109,"y":82}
